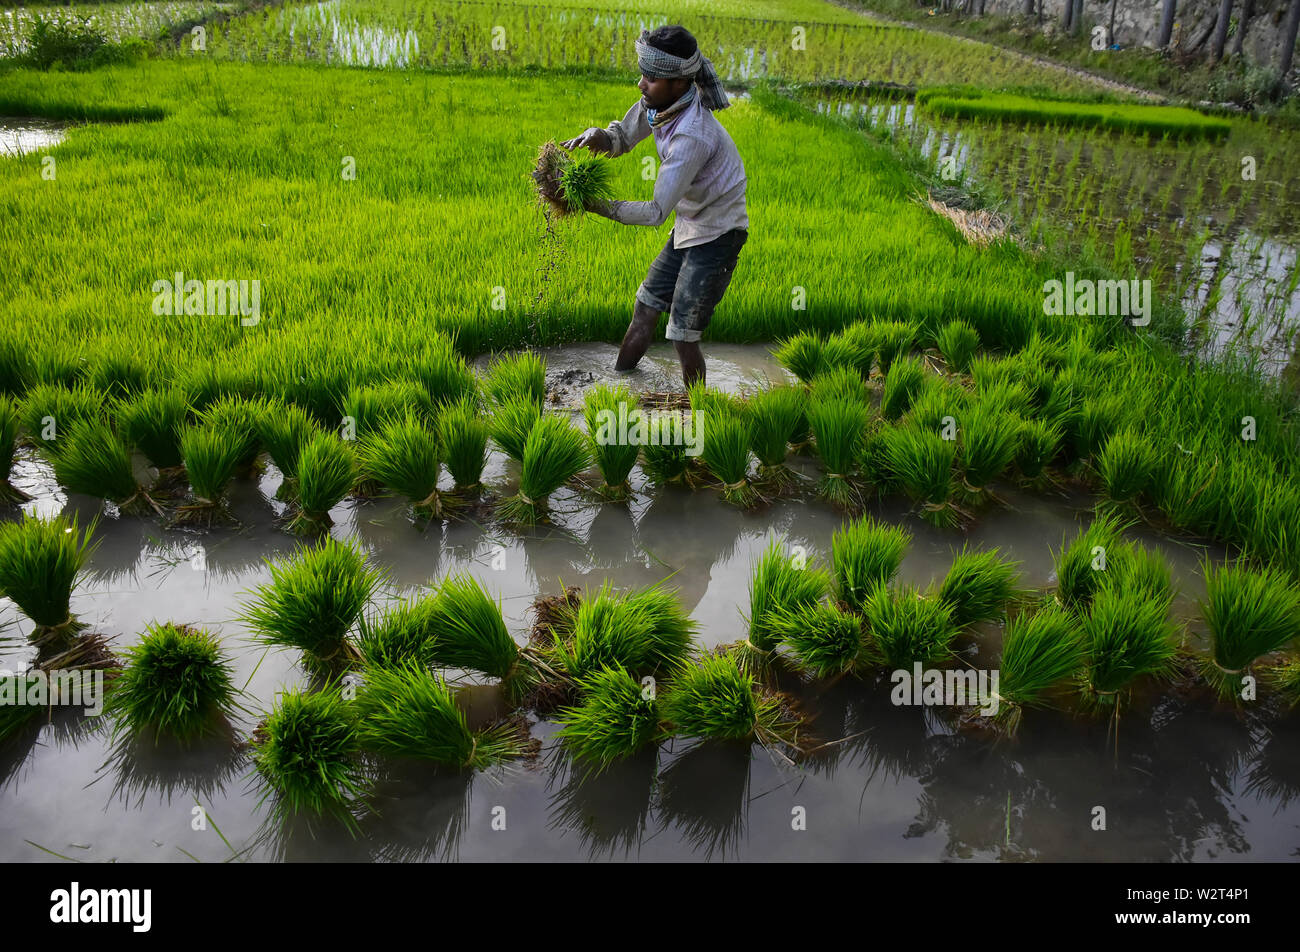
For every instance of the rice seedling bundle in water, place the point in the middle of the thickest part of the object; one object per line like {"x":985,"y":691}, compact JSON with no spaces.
{"x":9,"y":425}
{"x":308,"y":755}
{"x":855,"y":347}
{"x":666,"y":462}
{"x":839,"y":431}
{"x":401,"y":635}
{"x":1005,"y":397}
{"x":462,"y":437}
{"x":958,"y":342}
{"x":724,"y":448}
{"x":716,"y":699}
{"x":838,"y":383}
{"x":906,"y":627}
{"x":1134,"y":569}
{"x":611,"y":414}
{"x":1250,"y":613}
{"x":616,"y":718}
{"x":780,"y":582}
{"x":403,"y":456}
{"x":1040,"y":650}
{"x":284,"y":430}
{"x":1039,"y":442}
{"x":866,"y":554}
{"x":39,"y":563}
{"x":367,"y":410}
{"x":312,"y":602}
{"x":211,"y":457}
{"x":1128,"y":636}
{"x":979,"y":586}
{"x":987,"y":443}
{"x":95,"y":461}
{"x":921,"y":462}
{"x":773,"y":416}
{"x":826,"y":640}
{"x":512,"y":421}
{"x":237,"y":416}
{"x":408,"y":711}
{"x":554,"y":453}
{"x":443,"y":373}
{"x":1079,"y":565}
{"x":522,"y":374}
{"x":642,"y":632}
{"x":567,"y":184}
{"x":469,"y":631}
{"x":802,"y":356}
{"x":49,"y":411}
{"x":904,"y":381}
{"x":152,"y":422}
{"x":1128,"y":464}
{"x":938,"y":406}
{"x":894,"y":339}
{"x":176,"y":683}
{"x":327,"y":470}
{"x":1099,"y":417}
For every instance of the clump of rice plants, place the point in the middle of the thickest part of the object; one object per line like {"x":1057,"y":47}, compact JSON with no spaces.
{"x":211,"y":455}
{"x":905,"y":380}
{"x":856,"y":347}
{"x":1250,"y":613}
{"x":644,"y":632}
{"x":94,"y":460}
{"x":839,"y":431}
{"x":1039,"y":442}
{"x":838,"y":383}
{"x":403,"y":456}
{"x":1040,"y":650}
{"x":512,"y":421}
{"x":826,"y":640}
{"x":610,"y":413}
{"x":715,"y":699}
{"x":667,"y":462}
{"x":958,"y":342}
{"x":462,"y":438}
{"x":401,"y":635}
{"x":308,"y":752}
{"x":521,"y":374}
{"x":773,"y":415}
{"x":237,"y":416}
{"x":469,"y":632}
{"x":1127,"y":637}
{"x":176,"y":684}
{"x":724,"y":447}
{"x":1284,"y":678}
{"x":866,"y":554}
{"x":554,"y":453}
{"x":313,"y":600}
{"x":1128,"y":464}
{"x":568,"y":184}
{"x":979,"y":586}
{"x":894,"y":339}
{"x":327,"y":469}
{"x":802,"y":356}
{"x":9,"y":424}
{"x":934,"y":404}
{"x":442,"y":372}
{"x":49,"y":411}
{"x":152,"y":421}
{"x":39,"y":563}
{"x":1079,"y":566}
{"x":284,"y":429}
{"x":907,"y":627}
{"x":367,"y":409}
{"x":408,"y":711}
{"x":616,"y":718}
{"x":1137,"y":570}
{"x":921,"y":463}
{"x":779,"y":583}
{"x":986,"y":446}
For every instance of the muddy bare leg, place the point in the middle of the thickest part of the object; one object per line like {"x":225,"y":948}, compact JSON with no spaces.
{"x":692,"y":360}
{"x":638,"y":336}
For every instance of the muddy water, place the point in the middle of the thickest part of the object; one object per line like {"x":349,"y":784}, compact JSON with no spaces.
{"x":1188,"y":782}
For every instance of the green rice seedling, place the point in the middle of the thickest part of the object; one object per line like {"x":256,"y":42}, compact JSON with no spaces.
{"x":666,"y":463}
{"x":801,"y":354}
{"x":177,"y":683}
{"x":715,"y":699}
{"x":921,"y":463}
{"x":643,"y":632}
{"x":932,"y":407}
{"x":615,"y":719}
{"x":1127,"y":637}
{"x":400,"y":635}
{"x":568,"y":184}
{"x":826,"y":640}
{"x":905,"y":380}
{"x":462,"y":440}
{"x":152,"y":421}
{"x":118,"y":372}
{"x":313,"y":600}
{"x":408,"y":711}
{"x":894,"y":339}
{"x":95,"y":461}
{"x":512,"y":421}
{"x":907,"y":627}
{"x":1135,"y":569}
{"x":1006,"y":397}
{"x":987,"y":443}
{"x":521,"y":374}
{"x":839,"y":432}
{"x":838,"y":383}
{"x":554,"y":453}
{"x":403,"y":456}
{"x":979,"y":586}
{"x":672,"y":631}
{"x":779,"y":582}
{"x":1098,"y":419}
{"x":368,"y":409}
{"x":308,"y":752}
{"x":1249,"y":613}
{"x":611,"y":413}
{"x":866,"y":553}
{"x":724,"y":447}
{"x":1284,"y":678}
{"x":469,"y":631}
{"x":284,"y":429}
{"x":327,"y":469}
{"x":958,"y":342}
{"x":773,"y":415}
{"x":9,"y":424}
{"x":1079,"y":565}
{"x":442,"y":372}
{"x":49,"y":411}
{"x":1174,"y":121}
{"x":238,"y":417}
{"x":1040,"y":650}
{"x":1040,"y":440}
{"x":854,"y":347}
{"x":1128,"y":464}
{"x":39,"y":563}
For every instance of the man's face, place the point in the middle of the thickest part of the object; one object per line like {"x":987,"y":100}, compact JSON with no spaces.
{"x":662,"y":93}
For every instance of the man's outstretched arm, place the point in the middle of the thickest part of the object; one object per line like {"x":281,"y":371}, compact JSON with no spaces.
{"x":618,"y":138}
{"x":686,"y":157}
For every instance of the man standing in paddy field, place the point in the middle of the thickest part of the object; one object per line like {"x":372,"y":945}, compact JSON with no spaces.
{"x":701,"y":176}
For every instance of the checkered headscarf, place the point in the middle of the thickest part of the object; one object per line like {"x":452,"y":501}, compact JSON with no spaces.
{"x":657,"y":64}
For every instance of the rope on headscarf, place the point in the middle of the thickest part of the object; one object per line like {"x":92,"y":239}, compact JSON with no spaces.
{"x":658,"y":64}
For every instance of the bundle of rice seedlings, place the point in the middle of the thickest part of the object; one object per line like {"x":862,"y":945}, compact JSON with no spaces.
{"x":1007,"y":397}
{"x":9,"y":424}
{"x":568,"y":184}
{"x":802,"y":355}
{"x":907,"y":627}
{"x":826,"y":640}
{"x":39,"y":562}
{"x":666,"y":463}
{"x":1250,"y":613}
{"x":724,"y":447}
{"x":644,"y":632}
{"x":839,"y":430}
{"x":931,"y":407}
{"x":778,"y":583}
{"x":49,"y":411}
{"x":211,"y":456}
{"x":987,"y":443}
{"x":904,"y":381}
{"x":866,"y":554}
{"x":1039,"y":651}
{"x":1079,"y":566}
{"x":177,"y":683}
{"x":442,"y":372}
{"x":773,"y":415}
{"x":401,"y":635}
{"x":152,"y":421}
{"x":894,"y":339}
{"x":237,"y":416}
{"x":1134,"y":569}
{"x":408,"y":711}
{"x":94,"y":461}
{"x":610,"y":413}
{"x":1284,"y":678}
{"x":469,"y":631}
{"x":1039,"y":442}
{"x":958,"y":342}
{"x":856,"y":347}
{"x":1128,"y":464}
{"x":512,"y":421}
{"x":979,"y":586}
{"x":403,"y":456}
{"x":307,"y":751}
{"x":716,"y":699}
{"x":462,"y":439}
{"x":522,"y":374}
{"x":615,"y":719}
{"x":284,"y":430}
{"x":554,"y":453}
{"x":838,"y":383}
{"x":1127,"y":636}
{"x":367,"y":409}
{"x":921,"y":463}
{"x":327,"y":469}
{"x":313,"y":600}
{"x":1098,"y":418}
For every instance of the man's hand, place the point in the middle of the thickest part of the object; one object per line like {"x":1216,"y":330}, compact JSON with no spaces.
{"x":597,"y":140}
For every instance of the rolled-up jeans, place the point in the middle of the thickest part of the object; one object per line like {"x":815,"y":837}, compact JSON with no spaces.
{"x":688,"y":283}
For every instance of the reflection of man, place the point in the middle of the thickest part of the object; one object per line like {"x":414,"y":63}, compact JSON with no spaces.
{"x":701,"y":177}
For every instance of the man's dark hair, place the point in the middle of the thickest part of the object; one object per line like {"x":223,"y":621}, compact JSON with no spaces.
{"x":673,"y":39}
